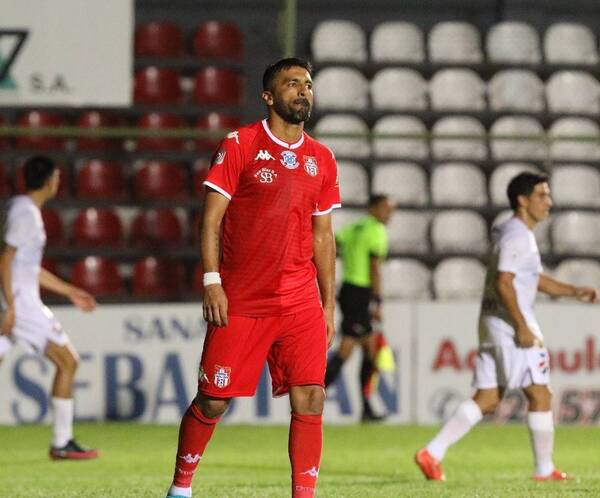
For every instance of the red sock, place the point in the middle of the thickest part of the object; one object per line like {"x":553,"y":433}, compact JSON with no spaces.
{"x":195,"y":432}
{"x":305,"y":446}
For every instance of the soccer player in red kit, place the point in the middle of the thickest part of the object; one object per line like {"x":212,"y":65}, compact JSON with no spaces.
{"x":268,"y":251}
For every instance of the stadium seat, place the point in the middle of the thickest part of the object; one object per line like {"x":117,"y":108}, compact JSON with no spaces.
{"x":570,"y":43}
{"x":5,"y":189}
{"x":516,"y":90}
{"x":452,"y":41}
{"x":99,"y":179}
{"x":386,"y":94}
{"x":506,"y":149}
{"x":397,"y":41}
{"x":500,"y":178}
{"x":213,"y":123}
{"x":38,"y":119}
{"x":156,"y":179}
{"x":449,"y":233}
{"x":198,"y":279}
{"x":446,"y":149}
{"x":218,"y":86}
{"x":573,"y":92}
{"x":157,"y":278}
{"x":575,"y":185}
{"x":154,"y":228}
{"x":405,"y":278}
{"x":564,"y":148}
{"x":218,"y":39}
{"x":513,"y":43}
{"x":64,"y":186}
{"x":159,"y":121}
{"x":576,"y":232}
{"x":159,"y":39}
{"x":94,"y":227}
{"x":4,"y":142}
{"x":459,"y":278}
{"x":354,"y":183}
{"x":53,"y":226}
{"x":199,"y":172}
{"x":345,"y":216}
{"x":404,"y":183}
{"x":99,"y":276}
{"x":457,"y":89}
{"x":458,"y":184}
{"x":579,"y":271}
{"x":394,"y":147}
{"x":341,"y":88}
{"x":195,"y":226}
{"x":95,"y":119}
{"x":154,"y":85}
{"x":350,"y":147}
{"x":339,"y":41}
{"x":408,"y":232}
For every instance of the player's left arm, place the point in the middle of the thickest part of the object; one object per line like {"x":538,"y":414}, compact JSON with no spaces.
{"x":555,"y":288}
{"x":324,"y":258}
{"x":79,"y":297}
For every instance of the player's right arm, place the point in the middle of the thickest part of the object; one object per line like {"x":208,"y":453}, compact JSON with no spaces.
{"x":506,"y":290}
{"x":8,"y":318}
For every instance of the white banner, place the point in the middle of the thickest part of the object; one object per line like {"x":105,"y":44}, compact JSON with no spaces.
{"x":66,"y":52}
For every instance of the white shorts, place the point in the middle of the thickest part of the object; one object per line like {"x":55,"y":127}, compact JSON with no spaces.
{"x":511,"y":367}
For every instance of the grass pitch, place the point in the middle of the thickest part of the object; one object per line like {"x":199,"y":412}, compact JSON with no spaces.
{"x":243,"y":461}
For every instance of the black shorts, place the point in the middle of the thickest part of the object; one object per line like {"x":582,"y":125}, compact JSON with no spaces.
{"x":354,"y":305}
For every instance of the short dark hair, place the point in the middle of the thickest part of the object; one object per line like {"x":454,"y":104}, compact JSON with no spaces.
{"x":36,"y":172}
{"x":281,"y":65}
{"x":375,"y":199}
{"x":523,"y":184}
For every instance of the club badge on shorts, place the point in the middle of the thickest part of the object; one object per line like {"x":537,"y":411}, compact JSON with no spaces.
{"x":289,"y":159}
{"x":310,"y":165}
{"x":222,"y":376}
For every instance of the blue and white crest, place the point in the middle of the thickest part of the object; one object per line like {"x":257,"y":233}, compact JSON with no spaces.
{"x":289,"y":159}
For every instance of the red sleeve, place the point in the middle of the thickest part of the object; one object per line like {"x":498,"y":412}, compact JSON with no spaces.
{"x":226,"y":166}
{"x":329,"y":198}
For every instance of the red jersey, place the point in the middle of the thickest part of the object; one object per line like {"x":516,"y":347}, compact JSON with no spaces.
{"x":275,"y":189}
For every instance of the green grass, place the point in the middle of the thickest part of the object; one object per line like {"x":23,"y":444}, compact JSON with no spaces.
{"x":243,"y":461}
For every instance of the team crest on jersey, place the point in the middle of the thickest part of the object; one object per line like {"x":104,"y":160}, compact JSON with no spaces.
{"x":222,"y":376}
{"x":265,"y":175}
{"x":289,"y":159}
{"x":310,"y":165}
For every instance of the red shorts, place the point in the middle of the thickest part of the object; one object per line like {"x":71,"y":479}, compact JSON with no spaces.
{"x":295,"y":347}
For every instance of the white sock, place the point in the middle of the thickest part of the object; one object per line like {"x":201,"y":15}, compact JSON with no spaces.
{"x":177,"y":491}
{"x":541,"y":430}
{"x":63,"y":421}
{"x":466,"y":416}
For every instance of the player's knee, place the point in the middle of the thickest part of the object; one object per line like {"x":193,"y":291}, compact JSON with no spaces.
{"x":211,"y":407}
{"x":488,"y":402}
{"x":309,"y":400}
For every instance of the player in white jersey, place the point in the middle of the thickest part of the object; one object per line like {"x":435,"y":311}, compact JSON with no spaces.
{"x":25,"y":318}
{"x":511,"y":345}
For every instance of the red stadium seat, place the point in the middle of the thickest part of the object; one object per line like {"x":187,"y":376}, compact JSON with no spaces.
{"x":38,"y":119}
{"x":53,"y":226}
{"x":158,"y":121}
{"x":63,"y":187}
{"x":215,"y":122}
{"x":158,"y":278}
{"x":5,"y":190}
{"x":156,"y":228}
{"x":97,"y":227}
{"x":99,"y":179}
{"x":95,"y":119}
{"x":4,"y":142}
{"x":154,"y":85}
{"x":198,"y":181}
{"x":161,"y":180}
{"x":195,"y":226}
{"x":99,"y":276}
{"x":218,"y":86}
{"x":197,"y":280}
{"x":159,"y":39}
{"x":218,"y":39}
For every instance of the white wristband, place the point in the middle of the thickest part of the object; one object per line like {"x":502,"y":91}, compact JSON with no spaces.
{"x":210,"y":278}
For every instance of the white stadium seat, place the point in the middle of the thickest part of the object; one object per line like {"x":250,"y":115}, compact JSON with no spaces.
{"x":571,"y":150}
{"x":579,"y":271}
{"x":405,"y":278}
{"x":354,"y":184}
{"x":457,"y":89}
{"x":574,"y":92}
{"x":575,"y":185}
{"x":399,"y":89}
{"x":404,"y":183}
{"x":352,"y":147}
{"x":525,"y":149}
{"x":576,"y":232}
{"x":474,"y":149}
{"x":458,"y":184}
{"x":408,"y":232}
{"x":397,"y":41}
{"x":393,"y":147}
{"x":541,"y":230}
{"x":501,"y":177}
{"x":459,"y":278}
{"x":459,"y":231}
{"x":513,"y":43}
{"x":345,"y":216}
{"x":516,"y":90}
{"x":341,"y":88}
{"x":339,"y":41}
{"x":570,"y":43}
{"x":452,"y":41}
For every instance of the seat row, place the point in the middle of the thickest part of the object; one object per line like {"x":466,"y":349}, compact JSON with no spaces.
{"x":454,"y":42}
{"x":457,"y":89}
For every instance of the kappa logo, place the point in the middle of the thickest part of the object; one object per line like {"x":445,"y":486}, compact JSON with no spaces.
{"x":310,"y":165}
{"x":313,"y":472}
{"x":219,"y":157}
{"x":263,"y":155}
{"x":235,"y":135}
{"x":202,"y":377}
{"x":189,"y":458}
{"x":222,"y":375}
{"x":289,"y":159}
{"x":266,"y":175}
